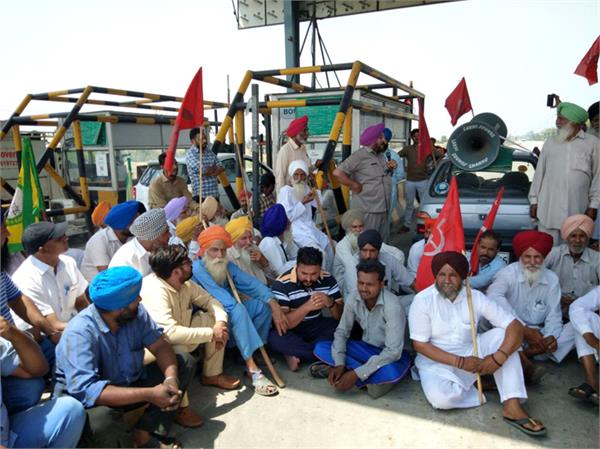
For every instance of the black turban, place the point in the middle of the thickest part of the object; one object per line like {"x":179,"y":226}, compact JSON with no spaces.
{"x":372,"y":237}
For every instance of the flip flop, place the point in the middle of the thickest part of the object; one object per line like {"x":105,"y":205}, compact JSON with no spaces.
{"x":520,"y":424}
{"x":585,"y":392}
{"x":319,"y":370}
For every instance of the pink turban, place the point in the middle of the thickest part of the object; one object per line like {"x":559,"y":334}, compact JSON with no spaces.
{"x":297,"y":126}
{"x":579,"y":221}
{"x":370,"y":135}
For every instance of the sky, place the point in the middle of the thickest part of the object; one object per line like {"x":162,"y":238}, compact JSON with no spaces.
{"x":512,"y":53}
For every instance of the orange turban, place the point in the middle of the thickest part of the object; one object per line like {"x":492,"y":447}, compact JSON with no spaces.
{"x":100,"y":213}
{"x":238,"y":227}
{"x":540,"y":241}
{"x":211,"y":235}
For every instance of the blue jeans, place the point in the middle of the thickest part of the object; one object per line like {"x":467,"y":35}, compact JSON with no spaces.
{"x":55,"y":423}
{"x":410,"y":191}
{"x":300,"y":341}
{"x":358,"y":353}
{"x":21,"y":394}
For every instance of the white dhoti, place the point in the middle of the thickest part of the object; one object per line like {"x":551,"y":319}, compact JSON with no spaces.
{"x":447,"y":387}
{"x":583,"y":348}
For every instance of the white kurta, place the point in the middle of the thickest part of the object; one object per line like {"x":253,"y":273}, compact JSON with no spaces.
{"x":99,"y":250}
{"x":414,"y":256}
{"x":132,"y":254}
{"x":281,"y":256}
{"x":446,"y":325}
{"x":537,"y":306}
{"x":566,"y":179}
{"x":585,"y":319}
{"x":304,"y":229}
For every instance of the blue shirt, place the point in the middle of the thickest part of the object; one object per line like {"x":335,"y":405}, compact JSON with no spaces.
{"x":8,"y":292}
{"x":209,"y":183}
{"x":486,"y":273}
{"x":89,"y":356}
{"x":243,"y":282}
{"x":9,"y":361}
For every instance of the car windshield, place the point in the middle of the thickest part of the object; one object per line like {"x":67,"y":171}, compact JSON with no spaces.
{"x":515,"y":174}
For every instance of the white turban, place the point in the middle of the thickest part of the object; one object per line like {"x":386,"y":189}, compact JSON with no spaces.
{"x":295,"y":165}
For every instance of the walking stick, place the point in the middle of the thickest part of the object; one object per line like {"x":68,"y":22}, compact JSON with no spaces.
{"x":474,"y":335}
{"x":323,"y":217}
{"x":278,"y":380}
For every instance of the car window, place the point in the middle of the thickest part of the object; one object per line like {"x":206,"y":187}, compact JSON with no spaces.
{"x":152,"y":171}
{"x":515,"y":177}
{"x":229,"y":166}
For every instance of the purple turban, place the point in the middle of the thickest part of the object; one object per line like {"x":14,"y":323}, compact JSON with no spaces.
{"x":370,"y":135}
{"x":175,"y":207}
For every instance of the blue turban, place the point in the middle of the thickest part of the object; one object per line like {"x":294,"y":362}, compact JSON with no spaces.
{"x":387,"y":133}
{"x":370,"y":135}
{"x":274,"y":221}
{"x":120,"y":216}
{"x":115,"y":288}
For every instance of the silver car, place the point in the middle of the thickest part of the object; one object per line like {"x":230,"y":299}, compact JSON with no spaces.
{"x":477,"y":190}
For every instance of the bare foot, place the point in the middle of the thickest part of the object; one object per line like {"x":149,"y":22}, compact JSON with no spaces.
{"x":292,"y":362}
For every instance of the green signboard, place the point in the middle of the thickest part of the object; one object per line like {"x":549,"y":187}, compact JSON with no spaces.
{"x":320,"y":118}
{"x":93,"y":134}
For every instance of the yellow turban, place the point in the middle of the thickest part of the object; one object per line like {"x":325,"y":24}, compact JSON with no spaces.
{"x":100,"y":213}
{"x":238,"y":227}
{"x":209,"y":207}
{"x":185,"y":228}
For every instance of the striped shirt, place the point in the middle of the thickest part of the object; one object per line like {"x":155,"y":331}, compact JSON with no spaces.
{"x":8,"y":292}
{"x":291,"y":294}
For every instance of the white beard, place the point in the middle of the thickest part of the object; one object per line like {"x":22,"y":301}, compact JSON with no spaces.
{"x":221,"y":221}
{"x":217,"y":268}
{"x":531,"y":272}
{"x":564,"y":133}
{"x":353,"y":239}
{"x":299,"y":189}
{"x":245,"y":256}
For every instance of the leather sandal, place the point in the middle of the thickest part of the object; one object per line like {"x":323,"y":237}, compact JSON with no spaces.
{"x":222,"y":381}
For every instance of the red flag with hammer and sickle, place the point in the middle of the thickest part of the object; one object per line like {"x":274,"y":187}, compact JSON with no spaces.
{"x":191,"y":115}
{"x":447,"y":235}
{"x":588,"y":67}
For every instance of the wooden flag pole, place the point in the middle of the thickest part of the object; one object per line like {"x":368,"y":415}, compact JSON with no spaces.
{"x":474,"y":335}
{"x":323,"y":217}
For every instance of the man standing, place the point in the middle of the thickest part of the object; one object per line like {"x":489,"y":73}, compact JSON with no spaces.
{"x":277,"y":243}
{"x":594,"y":116}
{"x":576,"y":265}
{"x":293,"y":150}
{"x":416,"y":178}
{"x":298,"y":201}
{"x":398,"y":173}
{"x":368,"y":174}
{"x":211,"y":167}
{"x":303,"y":292}
{"x":531,"y":292}
{"x":165,"y":187}
{"x":169,"y":295}
{"x":250,"y":321}
{"x":567,"y":177}
{"x":150,"y":232}
{"x":377,"y":361}
{"x":439,"y":323}
{"x":489,"y":260}
{"x":103,"y":245}
{"x":100,"y":362}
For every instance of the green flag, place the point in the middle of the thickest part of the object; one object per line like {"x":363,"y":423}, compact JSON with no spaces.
{"x":129,"y":182}
{"x":27,"y":205}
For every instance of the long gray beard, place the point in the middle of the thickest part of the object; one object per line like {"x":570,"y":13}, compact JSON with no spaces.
{"x":245,"y":256}
{"x":353,"y":239}
{"x":564,"y":133}
{"x":299,"y":190}
{"x":531,"y":272}
{"x":217,"y":268}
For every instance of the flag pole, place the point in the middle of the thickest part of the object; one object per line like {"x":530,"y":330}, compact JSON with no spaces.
{"x":473,"y":334}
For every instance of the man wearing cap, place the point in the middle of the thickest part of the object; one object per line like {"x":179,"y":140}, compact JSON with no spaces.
{"x":103,"y":245}
{"x":250,"y":321}
{"x":567,"y":177}
{"x":531,"y":292}
{"x":490,"y":261}
{"x":277,"y":244}
{"x":188,"y":231}
{"x":368,"y":174}
{"x":211,"y":167}
{"x":169,"y":295}
{"x":166,"y":186}
{"x":267,"y":193}
{"x":576,"y":265}
{"x":416,"y":178}
{"x":100,"y":362}
{"x":298,"y":199}
{"x":440,"y":329}
{"x":377,"y":361}
{"x":150,"y":231}
{"x":51,"y":279}
{"x":293,"y":150}
{"x":245,"y":254}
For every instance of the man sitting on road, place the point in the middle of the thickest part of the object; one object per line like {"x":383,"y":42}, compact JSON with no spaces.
{"x":586,"y":322}
{"x":277,"y":243}
{"x":250,"y":321}
{"x":531,"y":292}
{"x":188,"y":231}
{"x":440,"y":329}
{"x":150,"y":232}
{"x":489,"y":260}
{"x":576,"y":265}
{"x":377,"y":361}
{"x":303,"y":293}
{"x":100,"y":362}
{"x":176,"y":210}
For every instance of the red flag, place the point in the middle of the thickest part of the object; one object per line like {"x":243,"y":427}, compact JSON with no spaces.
{"x":588,"y":67}
{"x":191,"y":115}
{"x":487,"y":224}
{"x":458,"y":102}
{"x":425,"y":147}
{"x":447,"y":235}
